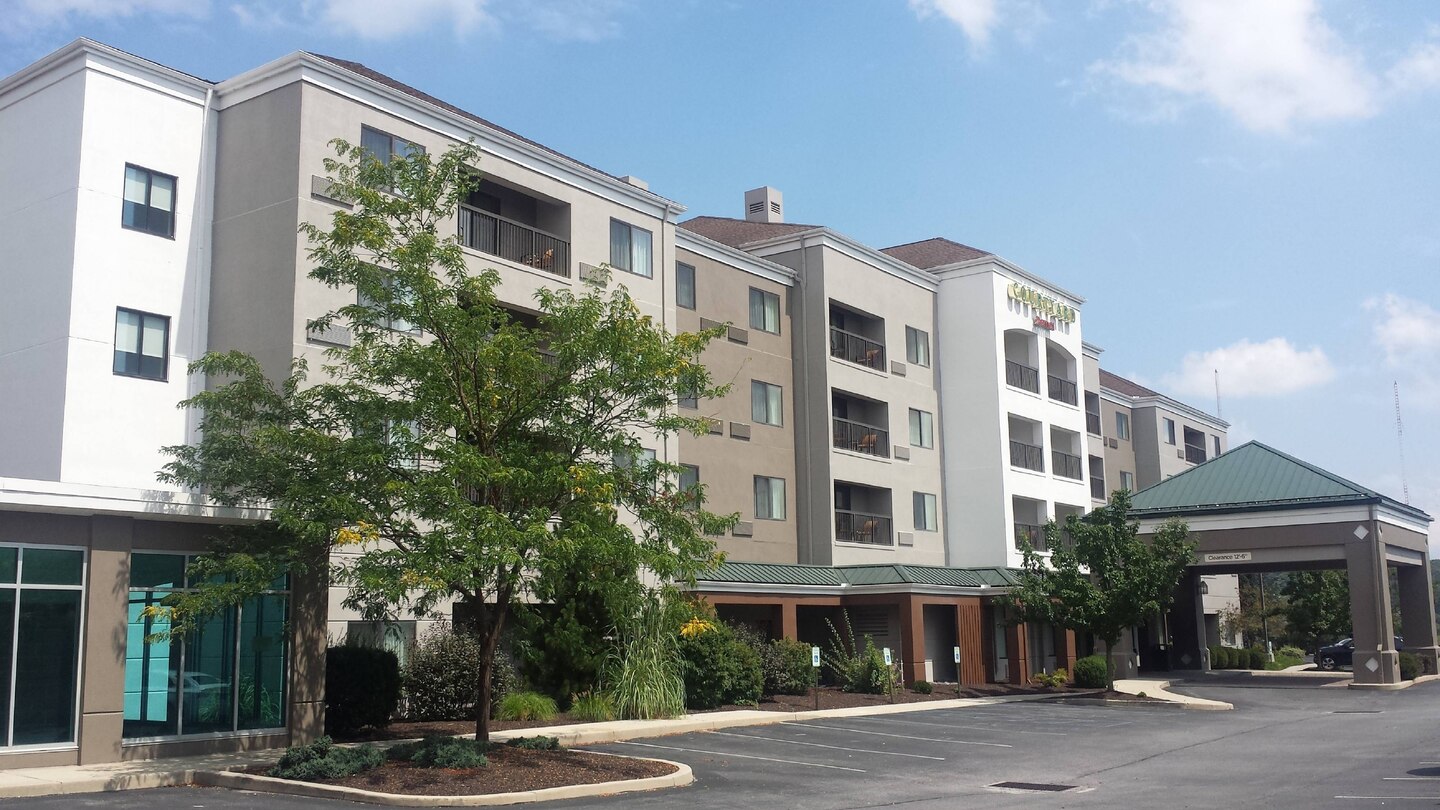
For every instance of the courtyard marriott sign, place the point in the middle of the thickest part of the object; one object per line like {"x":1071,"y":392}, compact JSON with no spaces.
{"x":1041,"y":303}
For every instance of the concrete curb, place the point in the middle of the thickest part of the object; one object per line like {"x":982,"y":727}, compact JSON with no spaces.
{"x":265,"y":784}
{"x":1391,"y":687}
{"x":1158,"y":689}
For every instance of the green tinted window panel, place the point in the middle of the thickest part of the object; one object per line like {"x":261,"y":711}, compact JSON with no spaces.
{"x":9,"y":557}
{"x":157,"y":570}
{"x":52,"y":566}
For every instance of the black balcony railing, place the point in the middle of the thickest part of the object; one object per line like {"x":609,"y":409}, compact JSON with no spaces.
{"x":1027,"y":456}
{"x":1097,"y":488}
{"x":1194,"y":455}
{"x":862,"y":438}
{"x":522,"y":244}
{"x":1022,"y":376}
{"x":856,"y":349}
{"x":1066,"y":465}
{"x":862,"y":527}
{"x":1092,"y":423}
{"x":1032,"y":533}
{"x":1062,"y":390}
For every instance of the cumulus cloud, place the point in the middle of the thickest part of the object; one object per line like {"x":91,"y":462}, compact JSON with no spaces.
{"x":977,"y":18}
{"x":1270,"y":64}
{"x":1420,"y":69}
{"x":1406,"y":329}
{"x":1274,"y":367}
{"x":27,"y":16}
{"x":383,"y":19}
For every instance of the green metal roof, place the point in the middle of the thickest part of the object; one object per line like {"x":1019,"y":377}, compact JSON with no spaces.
{"x":827,"y":576}
{"x":1255,"y":477}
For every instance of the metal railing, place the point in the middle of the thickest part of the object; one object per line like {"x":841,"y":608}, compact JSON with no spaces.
{"x":1062,"y":390}
{"x":1032,"y":532}
{"x":856,"y":349}
{"x":1066,"y":465}
{"x":862,"y":438}
{"x":1027,"y":456}
{"x":1022,"y":376}
{"x":1097,"y":488}
{"x":522,"y":244}
{"x":1194,"y":455}
{"x":862,"y":527}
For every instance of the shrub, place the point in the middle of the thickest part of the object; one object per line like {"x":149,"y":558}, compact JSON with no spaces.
{"x":536,"y":743}
{"x":645,"y":675}
{"x":322,"y":759}
{"x":1214,"y":651}
{"x":923,"y":687}
{"x":1409,"y":666}
{"x":1224,"y":658}
{"x":362,"y":688}
{"x":788,"y":670}
{"x":1053,"y":680}
{"x":591,"y":707}
{"x":1090,"y":672}
{"x":856,"y":668}
{"x":441,"y":674}
{"x":1290,"y":651}
{"x":442,"y":752}
{"x":720,"y":668}
{"x":1258,"y":658}
{"x":527,"y":706}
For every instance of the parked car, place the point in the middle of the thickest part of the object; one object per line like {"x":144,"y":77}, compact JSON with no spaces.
{"x":1342,"y":654}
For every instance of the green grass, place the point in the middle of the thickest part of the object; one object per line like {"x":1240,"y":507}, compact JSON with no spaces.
{"x":527,"y":706}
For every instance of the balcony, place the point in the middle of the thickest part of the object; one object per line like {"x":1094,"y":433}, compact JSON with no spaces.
{"x":1066,"y":465}
{"x":1194,"y":455}
{"x":497,"y":236}
{"x":859,"y":437}
{"x":1022,"y":376}
{"x":1063,"y":390}
{"x":1027,"y":456}
{"x":1032,"y":533}
{"x":857,"y":349}
{"x":862,"y":527}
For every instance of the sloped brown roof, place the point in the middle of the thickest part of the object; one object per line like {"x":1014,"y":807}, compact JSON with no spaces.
{"x":396,"y":84}
{"x":737,"y":232}
{"x":1121,"y":385}
{"x":936,"y":252}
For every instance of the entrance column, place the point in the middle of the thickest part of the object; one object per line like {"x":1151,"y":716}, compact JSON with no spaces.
{"x":1187,"y":625}
{"x":789,"y":625}
{"x":970,"y":638}
{"x":912,"y":639}
{"x":1122,"y":656}
{"x":1017,"y":639}
{"x":1375,"y":659}
{"x":1417,"y":613}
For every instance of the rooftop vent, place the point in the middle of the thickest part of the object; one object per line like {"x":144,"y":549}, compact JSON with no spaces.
{"x":764,"y":204}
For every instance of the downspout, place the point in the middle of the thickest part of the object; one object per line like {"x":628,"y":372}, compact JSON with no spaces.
{"x":801,"y":337}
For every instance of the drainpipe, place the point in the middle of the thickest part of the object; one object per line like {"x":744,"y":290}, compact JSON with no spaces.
{"x":800,"y":336}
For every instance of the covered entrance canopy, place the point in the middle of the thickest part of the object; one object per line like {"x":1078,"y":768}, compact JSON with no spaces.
{"x":1256,"y":509}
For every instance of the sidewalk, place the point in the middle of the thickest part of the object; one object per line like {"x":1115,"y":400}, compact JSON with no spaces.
{"x":1158,"y":688}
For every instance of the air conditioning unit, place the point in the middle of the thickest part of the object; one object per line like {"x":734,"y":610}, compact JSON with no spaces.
{"x":1113,"y":444}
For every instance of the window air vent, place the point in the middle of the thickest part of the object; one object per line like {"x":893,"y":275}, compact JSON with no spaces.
{"x":743,"y":528}
{"x":757,"y":206}
{"x":774,"y":207}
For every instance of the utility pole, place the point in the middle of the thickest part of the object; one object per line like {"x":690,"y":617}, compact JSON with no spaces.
{"x":1218,"y":415}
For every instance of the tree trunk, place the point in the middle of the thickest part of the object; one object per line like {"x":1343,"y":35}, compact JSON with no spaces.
{"x":1109,"y":664}
{"x":489,"y":642}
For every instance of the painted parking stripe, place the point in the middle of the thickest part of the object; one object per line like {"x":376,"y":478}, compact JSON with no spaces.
{"x":1391,"y":798}
{"x":822,"y":745}
{"x":900,"y":736}
{"x":956,"y":725}
{"x":1410,"y":778}
{"x":740,"y":756}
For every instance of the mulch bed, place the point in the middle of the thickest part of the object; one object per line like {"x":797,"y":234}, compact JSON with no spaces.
{"x":416,"y":729}
{"x":510,"y":769}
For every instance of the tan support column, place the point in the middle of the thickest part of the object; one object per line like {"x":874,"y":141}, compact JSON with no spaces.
{"x":970,"y":638}
{"x":1375,"y":660}
{"x":1417,"y":614}
{"x":1067,"y":652}
{"x":309,"y":609}
{"x":912,"y":638}
{"x":789,"y":625}
{"x":1018,"y":642}
{"x":107,"y":594}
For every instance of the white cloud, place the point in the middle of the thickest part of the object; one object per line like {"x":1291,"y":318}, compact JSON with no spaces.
{"x":1420,"y":69}
{"x":1269,"y":63}
{"x":384,"y":19}
{"x":1407,"y":330}
{"x":977,"y":18}
{"x":25,"y":16}
{"x":570,"y":20}
{"x":1273,"y":367}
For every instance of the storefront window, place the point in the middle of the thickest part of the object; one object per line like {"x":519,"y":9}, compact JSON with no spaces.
{"x":40,"y":596}
{"x":228,"y":675}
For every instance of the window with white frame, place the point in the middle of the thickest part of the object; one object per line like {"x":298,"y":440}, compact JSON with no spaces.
{"x":1122,"y":425}
{"x":922,"y":428}
{"x":384,"y":147}
{"x":149,"y":202}
{"x":926,"y":516}
{"x":684,"y":285}
{"x":142,"y":342}
{"x":1127,"y":481}
{"x":689,"y":484}
{"x":769,"y":498}
{"x":764,"y":311}
{"x":917,"y":346}
{"x":386,"y":315}
{"x":1217,"y":444}
{"x":1169,"y":431}
{"x":765,"y":403}
{"x":41,"y":590}
{"x":630,"y":249}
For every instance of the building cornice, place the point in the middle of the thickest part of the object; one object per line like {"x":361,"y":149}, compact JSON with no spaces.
{"x":758,"y":588}
{"x":825,"y":237}
{"x":724,"y":254}
{"x":1162,"y":401}
{"x":30,"y":495}
{"x":85,"y":54}
{"x":1005,"y":267}
{"x":310,"y":69}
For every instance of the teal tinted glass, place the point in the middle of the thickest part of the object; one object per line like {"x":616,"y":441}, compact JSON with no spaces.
{"x":8,"y":558}
{"x":157,"y":570}
{"x":53,"y":566}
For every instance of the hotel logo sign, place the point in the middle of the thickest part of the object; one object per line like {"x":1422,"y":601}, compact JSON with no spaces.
{"x":1041,"y":304}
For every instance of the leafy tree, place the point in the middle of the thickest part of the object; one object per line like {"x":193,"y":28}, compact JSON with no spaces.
{"x":1318,"y":605}
{"x":1103,"y":578}
{"x":455,"y":449}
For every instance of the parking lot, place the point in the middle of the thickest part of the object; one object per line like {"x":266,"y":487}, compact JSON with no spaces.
{"x":1281,"y":747}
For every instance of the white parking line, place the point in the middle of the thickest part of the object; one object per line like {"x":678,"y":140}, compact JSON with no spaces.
{"x":1410,"y":778}
{"x":740,"y":756}
{"x":900,"y":736}
{"x":822,"y":745}
{"x":956,"y":725}
{"x":1391,"y":798}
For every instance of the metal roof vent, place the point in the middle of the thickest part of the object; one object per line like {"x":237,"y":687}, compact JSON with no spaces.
{"x":764,"y":204}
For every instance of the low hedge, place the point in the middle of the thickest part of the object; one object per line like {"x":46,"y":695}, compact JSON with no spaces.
{"x":1090,"y":672}
{"x":362,"y":688}
{"x":322,"y":759}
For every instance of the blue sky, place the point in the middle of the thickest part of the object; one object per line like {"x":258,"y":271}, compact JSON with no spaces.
{"x":1248,"y":185}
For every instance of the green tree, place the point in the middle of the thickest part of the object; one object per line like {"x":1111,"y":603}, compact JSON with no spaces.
{"x":457,"y":450}
{"x":1100,"y":576}
{"x":1318,"y":606}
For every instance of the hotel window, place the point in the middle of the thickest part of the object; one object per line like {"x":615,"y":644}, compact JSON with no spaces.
{"x":142,"y":344}
{"x":684,"y":285}
{"x":1217,"y":444}
{"x":917,"y":346}
{"x":764,"y":311}
{"x":769,"y":498}
{"x":1122,"y":426}
{"x":227,"y":675}
{"x":383,"y":146}
{"x":687,"y":398}
{"x":400,"y":297}
{"x":149,"y":202}
{"x":1127,"y":481}
{"x":765,"y":403}
{"x":689,"y":480}
{"x":922,"y":428}
{"x":630,"y":248}
{"x":1169,"y":431}
{"x":40,"y":595}
{"x":925,"y":514}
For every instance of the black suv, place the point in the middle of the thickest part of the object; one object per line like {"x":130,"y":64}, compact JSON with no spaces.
{"x":1342,"y":653}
